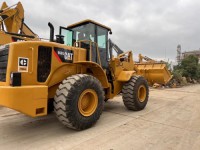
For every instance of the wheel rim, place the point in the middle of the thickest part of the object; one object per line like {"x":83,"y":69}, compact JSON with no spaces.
{"x":87,"y":102}
{"x":142,"y":93}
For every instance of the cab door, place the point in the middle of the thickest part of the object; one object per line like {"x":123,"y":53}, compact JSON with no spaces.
{"x":102,"y":38}
{"x":67,"y":36}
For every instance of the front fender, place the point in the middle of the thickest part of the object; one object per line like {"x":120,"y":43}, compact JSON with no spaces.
{"x":125,"y":76}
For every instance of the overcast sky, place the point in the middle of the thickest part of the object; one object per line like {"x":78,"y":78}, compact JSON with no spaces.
{"x":151,"y":27}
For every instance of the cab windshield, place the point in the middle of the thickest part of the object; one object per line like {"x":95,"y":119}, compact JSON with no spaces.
{"x":84,"y":32}
{"x":89,"y":32}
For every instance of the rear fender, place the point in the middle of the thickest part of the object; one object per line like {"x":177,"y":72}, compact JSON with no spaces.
{"x":97,"y":71}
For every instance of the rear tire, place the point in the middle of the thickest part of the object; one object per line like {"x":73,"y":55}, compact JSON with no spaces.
{"x":135,"y":93}
{"x":79,"y":101}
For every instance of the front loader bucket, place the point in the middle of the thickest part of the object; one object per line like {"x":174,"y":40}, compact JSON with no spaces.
{"x":154,"y":72}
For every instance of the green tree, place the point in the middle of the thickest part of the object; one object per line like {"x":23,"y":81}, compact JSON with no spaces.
{"x":190,"y":67}
{"x":198,"y":72}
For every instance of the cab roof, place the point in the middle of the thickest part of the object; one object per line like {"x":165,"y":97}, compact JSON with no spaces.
{"x":88,"y":21}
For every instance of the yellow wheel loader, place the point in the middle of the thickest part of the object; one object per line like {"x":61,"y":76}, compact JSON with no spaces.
{"x":75,"y":73}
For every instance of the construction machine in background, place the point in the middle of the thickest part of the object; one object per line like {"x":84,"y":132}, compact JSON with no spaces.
{"x":12,"y":25}
{"x":154,"y":71}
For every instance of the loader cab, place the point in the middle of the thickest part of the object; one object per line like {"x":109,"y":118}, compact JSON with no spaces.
{"x":92,"y":36}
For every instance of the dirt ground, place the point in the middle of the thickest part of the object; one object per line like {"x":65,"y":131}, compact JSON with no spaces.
{"x":171,"y":120}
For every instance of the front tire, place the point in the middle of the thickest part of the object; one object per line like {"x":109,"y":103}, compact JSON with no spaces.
{"x":79,"y":101}
{"x":135,"y":93}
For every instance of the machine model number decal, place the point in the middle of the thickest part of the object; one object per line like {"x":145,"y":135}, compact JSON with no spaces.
{"x":64,"y":55}
{"x":22,"y":64}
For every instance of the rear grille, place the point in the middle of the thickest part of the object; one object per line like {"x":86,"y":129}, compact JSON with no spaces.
{"x":3,"y":62}
{"x":44,"y":63}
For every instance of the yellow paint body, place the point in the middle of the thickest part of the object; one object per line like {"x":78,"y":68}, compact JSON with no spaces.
{"x":32,"y":97}
{"x":30,"y":100}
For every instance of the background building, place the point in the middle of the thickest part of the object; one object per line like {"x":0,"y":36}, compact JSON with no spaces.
{"x":180,"y":56}
{"x":194,"y":52}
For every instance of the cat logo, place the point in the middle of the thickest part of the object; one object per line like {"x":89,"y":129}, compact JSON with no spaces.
{"x":22,"y":64}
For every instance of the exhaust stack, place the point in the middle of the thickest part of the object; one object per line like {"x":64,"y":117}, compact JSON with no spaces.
{"x":51,"y":32}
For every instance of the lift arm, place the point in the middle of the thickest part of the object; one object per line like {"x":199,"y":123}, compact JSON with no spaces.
{"x":141,"y":58}
{"x":115,"y":47}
